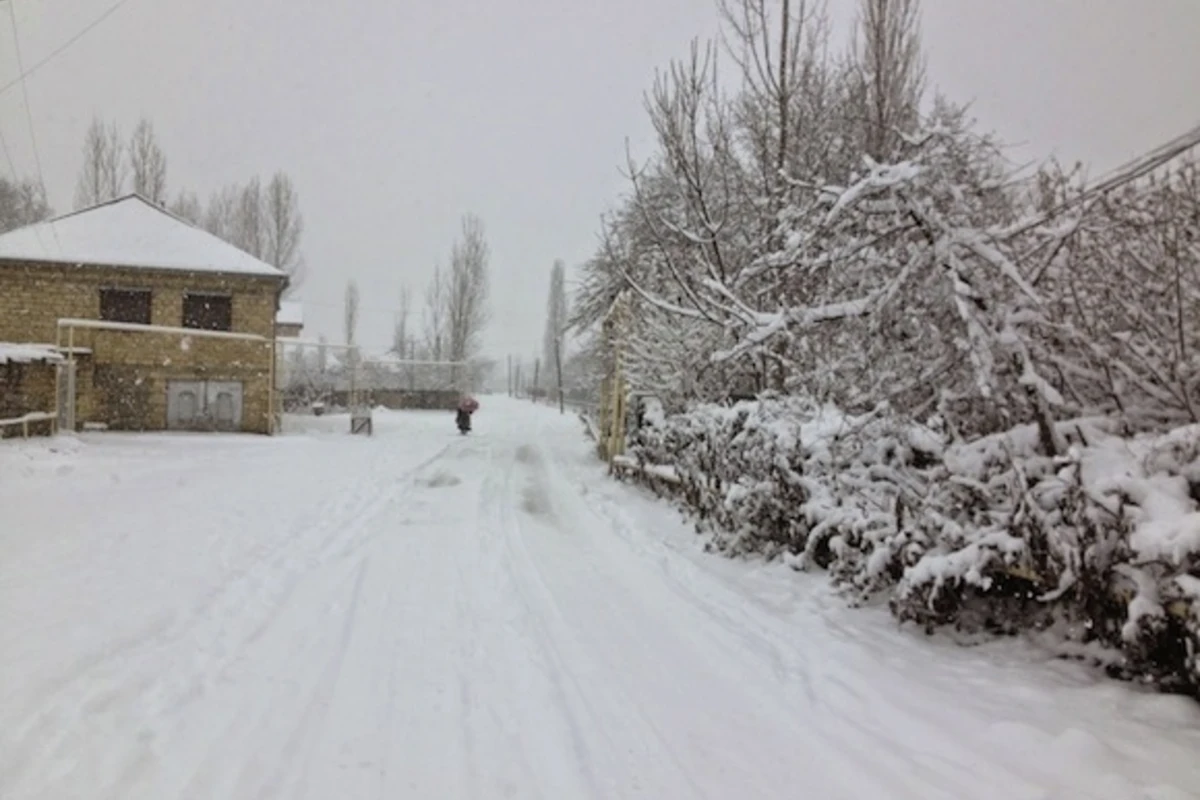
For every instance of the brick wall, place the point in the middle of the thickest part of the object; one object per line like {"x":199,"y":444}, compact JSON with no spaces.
{"x":122,"y":383}
{"x":34,"y":296}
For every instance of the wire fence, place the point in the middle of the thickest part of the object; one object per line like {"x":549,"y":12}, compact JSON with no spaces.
{"x":313,"y":377}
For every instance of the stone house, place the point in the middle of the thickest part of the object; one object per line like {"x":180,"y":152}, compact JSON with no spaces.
{"x":162,"y":325}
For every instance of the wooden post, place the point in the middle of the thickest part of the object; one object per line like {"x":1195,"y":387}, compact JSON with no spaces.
{"x":616,"y":444}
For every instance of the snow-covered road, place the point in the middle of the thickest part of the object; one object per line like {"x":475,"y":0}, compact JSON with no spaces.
{"x":423,"y":615}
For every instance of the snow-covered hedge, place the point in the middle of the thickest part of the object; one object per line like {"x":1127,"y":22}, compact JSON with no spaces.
{"x":1100,"y":546}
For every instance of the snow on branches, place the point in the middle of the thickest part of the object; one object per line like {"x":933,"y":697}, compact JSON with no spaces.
{"x":918,"y":323}
{"x":1100,"y":545}
{"x":916,"y":283}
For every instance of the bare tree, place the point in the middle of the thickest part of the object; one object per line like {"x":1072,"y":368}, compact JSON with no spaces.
{"x":467,"y":291}
{"x":250,"y":220}
{"x":402,"y":338}
{"x":556,"y":326}
{"x":776,"y":65}
{"x":400,"y":332}
{"x":890,"y":72}
{"x":351,"y":323}
{"x":351,"y":309}
{"x":148,"y":164}
{"x":187,"y":206}
{"x":220,"y":216}
{"x":284,"y":225}
{"x":21,"y":203}
{"x":435,"y":314}
{"x":102,"y":175}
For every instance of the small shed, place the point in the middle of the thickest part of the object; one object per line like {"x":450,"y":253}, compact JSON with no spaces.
{"x":27,"y":387}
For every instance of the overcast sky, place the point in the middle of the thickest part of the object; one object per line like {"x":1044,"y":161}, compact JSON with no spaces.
{"x":395,"y":117}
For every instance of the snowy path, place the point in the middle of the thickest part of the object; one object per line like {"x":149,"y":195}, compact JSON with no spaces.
{"x":428,"y":616}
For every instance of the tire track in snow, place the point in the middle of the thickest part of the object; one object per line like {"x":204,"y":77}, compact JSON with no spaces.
{"x":496,"y":501}
{"x":646,"y":690}
{"x":843,"y":708}
{"x":517,"y":550}
{"x":469,"y":649}
{"x":298,"y":748}
{"x":908,"y":732}
{"x":436,"y":735}
{"x":106,"y":685}
{"x":364,"y":528}
{"x":601,"y":579}
{"x":292,"y":662}
{"x":204,"y":628}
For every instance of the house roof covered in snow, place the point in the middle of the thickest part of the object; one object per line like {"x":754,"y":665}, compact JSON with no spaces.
{"x":129,"y":232}
{"x":290,"y":313}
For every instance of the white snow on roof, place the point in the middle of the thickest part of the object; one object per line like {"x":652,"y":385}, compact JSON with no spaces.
{"x":24,"y":353}
{"x":130,"y":232}
{"x":290,"y":313}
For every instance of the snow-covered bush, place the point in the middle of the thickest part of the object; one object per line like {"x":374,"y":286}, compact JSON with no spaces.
{"x":738,"y":471}
{"x":1099,"y":546}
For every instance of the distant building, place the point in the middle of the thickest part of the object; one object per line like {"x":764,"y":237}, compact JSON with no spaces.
{"x":163,"y":325}
{"x":289,"y":320}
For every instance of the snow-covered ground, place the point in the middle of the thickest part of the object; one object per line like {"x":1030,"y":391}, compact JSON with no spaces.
{"x":424,"y":615}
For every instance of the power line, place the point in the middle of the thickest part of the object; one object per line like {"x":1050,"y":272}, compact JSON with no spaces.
{"x":37,"y":158}
{"x":23,"y":74}
{"x":8,"y":157}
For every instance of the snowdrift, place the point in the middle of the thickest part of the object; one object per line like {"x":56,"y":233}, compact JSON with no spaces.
{"x":1098,"y":548}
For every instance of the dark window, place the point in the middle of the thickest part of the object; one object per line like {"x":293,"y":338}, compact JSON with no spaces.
{"x":209,"y":312}
{"x":125,"y":305}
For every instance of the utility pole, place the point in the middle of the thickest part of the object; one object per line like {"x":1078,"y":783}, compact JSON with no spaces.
{"x":537,"y":385}
{"x":558,"y":374}
{"x":510,"y":376}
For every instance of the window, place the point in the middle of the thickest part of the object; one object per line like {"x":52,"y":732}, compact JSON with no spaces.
{"x":125,"y":305}
{"x":209,"y":312}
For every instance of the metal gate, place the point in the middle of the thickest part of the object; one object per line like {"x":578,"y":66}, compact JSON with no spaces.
{"x":204,"y":405}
